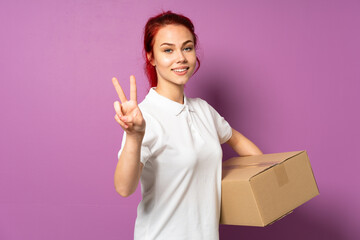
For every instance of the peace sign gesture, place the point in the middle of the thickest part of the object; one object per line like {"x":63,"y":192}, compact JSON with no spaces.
{"x":128,"y":113}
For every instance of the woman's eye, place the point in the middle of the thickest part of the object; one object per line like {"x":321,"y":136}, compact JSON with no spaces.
{"x":168,"y":50}
{"x":188,"y":49}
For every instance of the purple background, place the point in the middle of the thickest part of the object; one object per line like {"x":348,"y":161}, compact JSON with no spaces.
{"x":284,"y":73}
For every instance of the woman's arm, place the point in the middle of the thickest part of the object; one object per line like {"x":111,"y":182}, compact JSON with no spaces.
{"x":242,"y":145}
{"x":129,"y":117}
{"x":129,"y":167}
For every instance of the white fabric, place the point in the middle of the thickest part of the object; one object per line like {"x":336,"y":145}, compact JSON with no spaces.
{"x":181,"y":178}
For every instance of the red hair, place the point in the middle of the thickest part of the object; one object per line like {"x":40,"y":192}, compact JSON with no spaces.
{"x":152,"y":26}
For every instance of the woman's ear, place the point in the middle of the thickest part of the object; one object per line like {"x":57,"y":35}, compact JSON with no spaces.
{"x":150,"y":58}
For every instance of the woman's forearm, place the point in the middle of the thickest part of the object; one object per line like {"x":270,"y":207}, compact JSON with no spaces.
{"x":129,"y":167}
{"x":242,"y":145}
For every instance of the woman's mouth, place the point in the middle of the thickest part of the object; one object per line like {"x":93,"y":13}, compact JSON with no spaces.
{"x":180,"y":71}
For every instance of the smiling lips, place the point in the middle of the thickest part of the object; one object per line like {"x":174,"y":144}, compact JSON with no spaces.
{"x":181,"y":70}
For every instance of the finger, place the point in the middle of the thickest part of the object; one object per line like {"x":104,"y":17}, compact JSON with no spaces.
{"x":133,"y":92}
{"x":119,"y":90}
{"x":122,"y":124}
{"x":122,"y":110}
{"x":127,"y":119}
{"x":117,"y":108}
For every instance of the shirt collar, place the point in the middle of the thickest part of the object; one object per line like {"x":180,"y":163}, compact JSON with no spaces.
{"x":167,"y":104}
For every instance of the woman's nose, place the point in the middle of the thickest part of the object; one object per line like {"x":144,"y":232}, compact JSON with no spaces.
{"x":181,"y":57}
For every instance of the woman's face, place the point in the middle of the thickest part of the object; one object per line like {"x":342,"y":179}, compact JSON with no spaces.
{"x":174,"y":56}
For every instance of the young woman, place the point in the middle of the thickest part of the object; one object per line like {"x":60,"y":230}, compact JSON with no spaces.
{"x":172,"y":143}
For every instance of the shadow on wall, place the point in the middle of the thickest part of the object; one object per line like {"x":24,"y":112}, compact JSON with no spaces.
{"x":298,"y":225}
{"x":215,"y":90}
{"x":233,"y":97}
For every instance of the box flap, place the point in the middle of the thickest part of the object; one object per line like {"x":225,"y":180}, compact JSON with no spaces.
{"x":243,"y":168}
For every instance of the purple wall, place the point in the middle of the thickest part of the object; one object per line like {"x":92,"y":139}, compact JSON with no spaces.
{"x":284,"y":73}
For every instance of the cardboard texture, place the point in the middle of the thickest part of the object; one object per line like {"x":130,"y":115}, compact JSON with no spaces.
{"x":258,"y":190}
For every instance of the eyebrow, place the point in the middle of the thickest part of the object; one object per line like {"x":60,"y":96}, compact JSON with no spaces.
{"x":171,"y":44}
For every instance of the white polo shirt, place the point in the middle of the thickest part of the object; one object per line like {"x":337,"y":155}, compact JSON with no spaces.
{"x":181,"y":178}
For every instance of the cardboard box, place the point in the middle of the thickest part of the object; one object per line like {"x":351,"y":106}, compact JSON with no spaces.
{"x":258,"y":190}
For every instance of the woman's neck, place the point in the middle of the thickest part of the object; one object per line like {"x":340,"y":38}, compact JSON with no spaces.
{"x":171,"y":91}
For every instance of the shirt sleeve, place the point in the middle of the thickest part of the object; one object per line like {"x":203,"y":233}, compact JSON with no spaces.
{"x":223,"y":128}
{"x":148,"y":141}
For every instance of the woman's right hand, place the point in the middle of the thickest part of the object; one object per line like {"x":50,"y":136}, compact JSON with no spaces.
{"x":128,"y":113}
